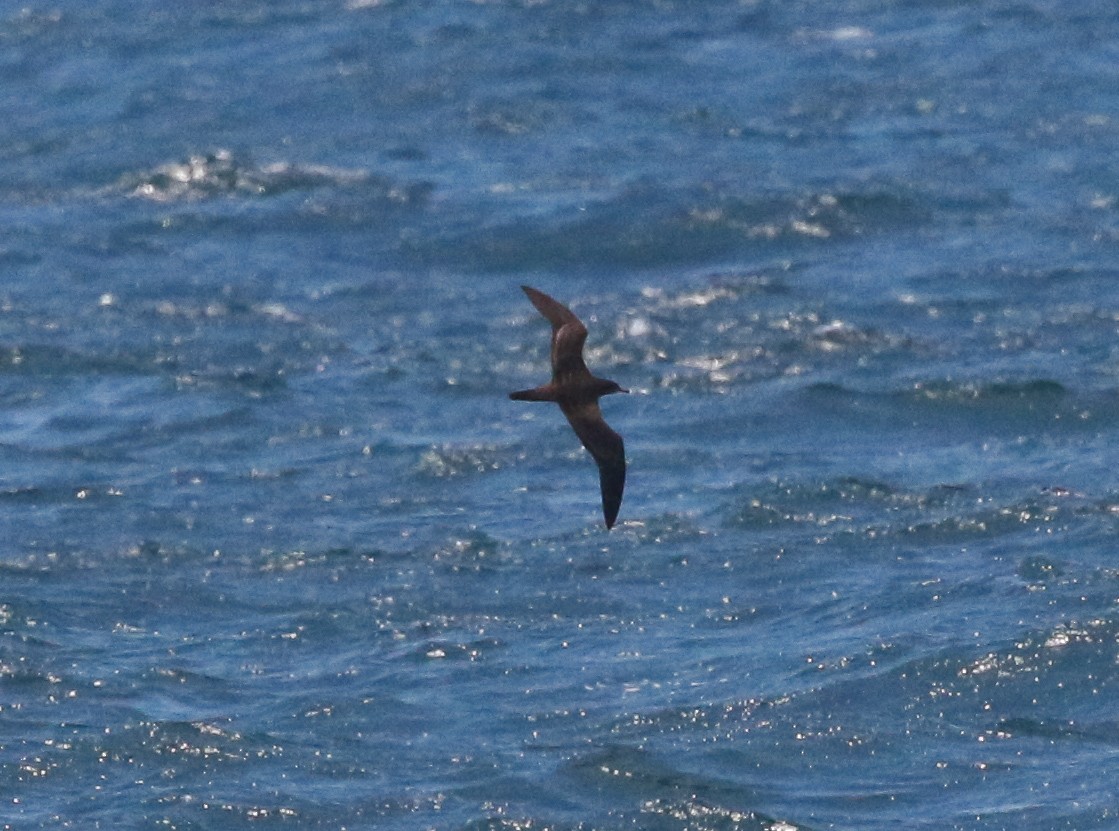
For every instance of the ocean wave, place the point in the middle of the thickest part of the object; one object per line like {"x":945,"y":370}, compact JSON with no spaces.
{"x":649,"y":224}
{"x":979,"y":407}
{"x":449,"y":460}
{"x":877,"y":512}
{"x":223,"y":173}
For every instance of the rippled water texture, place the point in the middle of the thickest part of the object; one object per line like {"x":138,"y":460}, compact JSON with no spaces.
{"x":278,"y":551}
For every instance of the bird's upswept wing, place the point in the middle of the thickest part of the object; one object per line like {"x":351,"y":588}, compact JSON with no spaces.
{"x":568,"y":334}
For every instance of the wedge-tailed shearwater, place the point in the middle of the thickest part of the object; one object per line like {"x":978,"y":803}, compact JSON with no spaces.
{"x":577,"y":393}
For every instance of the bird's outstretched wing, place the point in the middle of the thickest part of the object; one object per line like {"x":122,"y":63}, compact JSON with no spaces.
{"x":568,"y":334}
{"x":608,"y":450}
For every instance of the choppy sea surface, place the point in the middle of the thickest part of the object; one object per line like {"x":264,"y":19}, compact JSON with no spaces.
{"x":277,"y":551}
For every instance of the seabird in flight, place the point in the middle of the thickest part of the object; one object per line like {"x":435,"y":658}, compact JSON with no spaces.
{"x":577,"y":393}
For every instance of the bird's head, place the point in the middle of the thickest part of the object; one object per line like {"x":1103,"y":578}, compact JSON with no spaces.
{"x":608,"y":387}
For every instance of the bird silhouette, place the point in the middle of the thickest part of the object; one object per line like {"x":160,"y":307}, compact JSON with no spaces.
{"x":577,"y":391}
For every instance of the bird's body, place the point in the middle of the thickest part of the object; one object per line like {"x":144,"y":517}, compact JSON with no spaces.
{"x":577,"y":391}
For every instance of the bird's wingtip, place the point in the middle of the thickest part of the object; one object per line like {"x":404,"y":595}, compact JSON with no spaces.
{"x":610,"y":514}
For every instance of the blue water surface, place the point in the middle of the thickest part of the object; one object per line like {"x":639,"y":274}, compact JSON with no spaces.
{"x":278,"y":551}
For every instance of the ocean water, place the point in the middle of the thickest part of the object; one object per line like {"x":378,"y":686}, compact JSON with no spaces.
{"x":277,"y":551}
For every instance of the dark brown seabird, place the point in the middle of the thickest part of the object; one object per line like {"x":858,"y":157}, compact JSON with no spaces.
{"x":577,"y":393}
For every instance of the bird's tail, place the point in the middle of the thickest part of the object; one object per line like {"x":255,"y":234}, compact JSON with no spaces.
{"x":538,"y":394}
